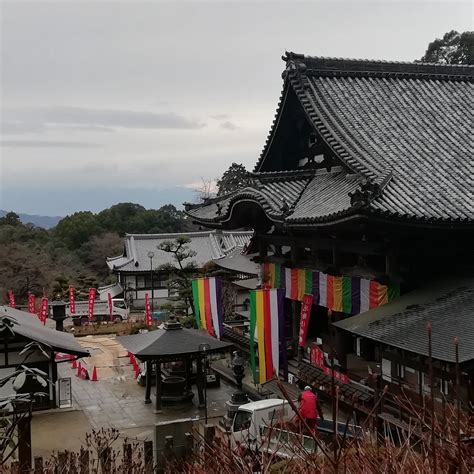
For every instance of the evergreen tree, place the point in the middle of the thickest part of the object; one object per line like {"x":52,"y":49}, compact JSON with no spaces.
{"x":236,"y":177}
{"x":453,"y":48}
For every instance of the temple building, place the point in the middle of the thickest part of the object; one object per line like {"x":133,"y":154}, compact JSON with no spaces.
{"x":142,"y":266}
{"x":363,"y":198}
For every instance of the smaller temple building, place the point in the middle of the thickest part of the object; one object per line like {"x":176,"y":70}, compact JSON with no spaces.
{"x":140,"y":269}
{"x":26,"y":341}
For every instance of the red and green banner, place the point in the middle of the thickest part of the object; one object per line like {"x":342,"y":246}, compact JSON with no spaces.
{"x":351,"y":295}
{"x":72,"y":300}
{"x":306,"y":306}
{"x":11,"y":299}
{"x":31,"y":303}
{"x":208,"y":307}
{"x":267,"y":327}
{"x":92,"y":292}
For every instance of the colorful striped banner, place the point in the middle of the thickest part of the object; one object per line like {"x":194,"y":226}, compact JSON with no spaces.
{"x":208,"y":310}
{"x":267,"y":318}
{"x":350,"y":295}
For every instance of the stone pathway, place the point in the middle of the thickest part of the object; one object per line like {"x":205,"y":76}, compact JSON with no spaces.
{"x":116,"y":400}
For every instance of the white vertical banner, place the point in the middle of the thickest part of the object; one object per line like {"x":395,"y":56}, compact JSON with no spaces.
{"x":323,"y":289}
{"x":214,"y":310}
{"x":275,"y":330}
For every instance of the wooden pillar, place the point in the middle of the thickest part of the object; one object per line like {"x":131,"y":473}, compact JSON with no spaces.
{"x":295,"y":306}
{"x":189,"y":366}
{"x":200,"y":382}
{"x":158,"y":387}
{"x":149,"y":366}
{"x":342,"y":342}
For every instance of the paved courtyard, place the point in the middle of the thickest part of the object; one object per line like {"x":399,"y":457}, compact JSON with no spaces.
{"x":115,"y":400}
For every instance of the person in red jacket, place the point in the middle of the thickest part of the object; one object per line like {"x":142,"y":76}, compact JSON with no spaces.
{"x":310,"y":407}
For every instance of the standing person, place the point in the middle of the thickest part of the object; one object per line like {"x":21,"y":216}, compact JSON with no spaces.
{"x":310,"y":407}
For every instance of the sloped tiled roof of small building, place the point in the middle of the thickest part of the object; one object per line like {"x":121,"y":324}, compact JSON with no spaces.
{"x":208,"y":245}
{"x":447,"y":305}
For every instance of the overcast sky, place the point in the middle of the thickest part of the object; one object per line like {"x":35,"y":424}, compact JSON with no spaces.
{"x":106,"y":102}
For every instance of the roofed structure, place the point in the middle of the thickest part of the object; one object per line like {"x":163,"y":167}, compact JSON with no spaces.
{"x":208,"y":245}
{"x":28,"y":326}
{"x":171,"y":343}
{"x":447,"y":306}
{"x":358,"y":138}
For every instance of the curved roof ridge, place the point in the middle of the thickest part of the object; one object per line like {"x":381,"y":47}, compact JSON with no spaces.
{"x":354,"y":65}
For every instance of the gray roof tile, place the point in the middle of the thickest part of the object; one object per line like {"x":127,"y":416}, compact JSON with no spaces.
{"x":28,"y":325}
{"x":208,"y":246}
{"x":448,"y":306}
{"x":412,"y":121}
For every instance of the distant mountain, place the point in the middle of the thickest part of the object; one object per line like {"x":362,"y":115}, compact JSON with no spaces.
{"x":46,"y":222}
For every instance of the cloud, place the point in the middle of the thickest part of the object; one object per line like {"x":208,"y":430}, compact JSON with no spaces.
{"x":207,"y":186}
{"x":228,"y":125}
{"x":24,"y":128}
{"x":96,"y":119}
{"x":220,"y":116}
{"x":46,"y":144}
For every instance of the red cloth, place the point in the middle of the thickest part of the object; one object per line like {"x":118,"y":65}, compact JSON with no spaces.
{"x":308,"y":403}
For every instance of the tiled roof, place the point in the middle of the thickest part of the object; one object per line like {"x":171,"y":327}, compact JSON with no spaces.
{"x":239,"y":263}
{"x":276,"y":193}
{"x":448,"y":306}
{"x":312,"y":196}
{"x":163,"y":343}
{"x":28,"y":326}
{"x":207,"y":245}
{"x":403,"y":130}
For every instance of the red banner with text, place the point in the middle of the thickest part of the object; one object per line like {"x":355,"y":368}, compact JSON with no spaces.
{"x":92,"y":292}
{"x":317,"y":359}
{"x":306,"y":306}
{"x":111,"y":306}
{"x":148,"y":318}
{"x":43,"y":314}
{"x":72,"y":300}
{"x":31,"y":303}
{"x":11,"y":299}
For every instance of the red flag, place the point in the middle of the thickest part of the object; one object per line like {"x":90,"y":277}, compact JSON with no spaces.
{"x":43,"y":315}
{"x":31,"y":303}
{"x":343,"y":378}
{"x":11,"y":299}
{"x":148,"y":317}
{"x":306,"y":306}
{"x":92,"y":292}
{"x":111,"y":307}
{"x":72,"y":300}
{"x":317,"y":356}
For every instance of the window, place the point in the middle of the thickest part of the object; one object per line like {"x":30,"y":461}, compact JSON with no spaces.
{"x":400,"y":371}
{"x":130,"y":281}
{"x":242,"y":421}
{"x":140,"y":282}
